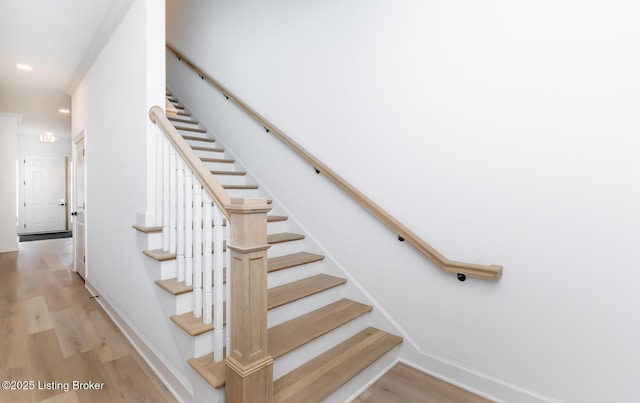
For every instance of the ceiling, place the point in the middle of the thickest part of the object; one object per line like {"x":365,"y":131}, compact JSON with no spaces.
{"x":60,"y":39}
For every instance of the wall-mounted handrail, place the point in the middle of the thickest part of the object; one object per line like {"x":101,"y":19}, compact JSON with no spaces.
{"x":463,"y":269}
{"x":215,"y":189}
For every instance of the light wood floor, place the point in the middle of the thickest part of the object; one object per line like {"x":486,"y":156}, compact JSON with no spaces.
{"x":53,"y":334}
{"x":403,"y":384}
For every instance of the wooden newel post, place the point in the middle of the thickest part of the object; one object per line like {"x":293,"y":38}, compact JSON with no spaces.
{"x":249,"y":367}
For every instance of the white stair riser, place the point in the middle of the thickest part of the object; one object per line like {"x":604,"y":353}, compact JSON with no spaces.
{"x":285,"y":248}
{"x":148,"y":241}
{"x":202,"y":389}
{"x":201,"y":143}
{"x":276,"y":227}
{"x":301,"y":355}
{"x":184,"y":303}
{"x":302,"y":306}
{"x":220,"y":166}
{"x":208,"y":153}
{"x":202,"y":344}
{"x":192,"y":346}
{"x":191,"y":133}
{"x":154,"y":241}
{"x":243,"y":193}
{"x":192,"y":123}
{"x":232,"y":179}
{"x":291,"y":274}
{"x":168,"y":269}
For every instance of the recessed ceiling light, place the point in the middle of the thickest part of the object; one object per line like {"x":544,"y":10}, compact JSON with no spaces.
{"x":24,"y":67}
{"x":64,"y":110}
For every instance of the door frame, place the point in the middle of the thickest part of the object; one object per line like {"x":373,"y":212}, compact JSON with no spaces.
{"x":21,"y":187}
{"x":80,"y":137}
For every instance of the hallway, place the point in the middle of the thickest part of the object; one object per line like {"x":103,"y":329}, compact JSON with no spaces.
{"x":56,"y":342}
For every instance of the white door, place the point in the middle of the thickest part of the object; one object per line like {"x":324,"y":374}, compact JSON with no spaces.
{"x":79,"y":207}
{"x":45,"y":193}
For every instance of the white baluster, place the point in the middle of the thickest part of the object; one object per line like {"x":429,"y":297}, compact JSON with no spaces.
{"x":219,"y":287}
{"x":173,"y":199}
{"x":207,"y":240}
{"x":188,"y":225}
{"x":165,"y":196}
{"x":180,"y":228}
{"x":197,"y":248}
{"x":159,"y":179}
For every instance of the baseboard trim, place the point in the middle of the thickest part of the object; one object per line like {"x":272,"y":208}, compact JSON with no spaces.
{"x":9,"y":247}
{"x":174,"y":381}
{"x":469,"y":379}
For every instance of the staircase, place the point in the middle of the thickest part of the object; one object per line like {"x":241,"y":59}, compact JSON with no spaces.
{"x":320,"y":340}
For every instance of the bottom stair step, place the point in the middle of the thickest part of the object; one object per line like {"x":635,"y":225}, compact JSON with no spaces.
{"x":324,"y":374}
{"x":211,"y":371}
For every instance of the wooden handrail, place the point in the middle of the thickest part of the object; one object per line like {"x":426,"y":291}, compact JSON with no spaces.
{"x":209,"y":183}
{"x":477,"y":270}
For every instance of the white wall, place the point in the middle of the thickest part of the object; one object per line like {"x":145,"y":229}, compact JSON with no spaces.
{"x":32,"y":144}
{"x":111,"y":103}
{"x":8,"y":154}
{"x":500,"y":132}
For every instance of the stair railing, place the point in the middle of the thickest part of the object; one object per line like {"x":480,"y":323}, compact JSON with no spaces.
{"x":404,"y":234}
{"x":213,"y":237}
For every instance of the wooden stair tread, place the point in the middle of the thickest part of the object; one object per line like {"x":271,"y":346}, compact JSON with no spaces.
{"x":213,"y":372}
{"x":274,"y":218}
{"x":196,"y":138}
{"x":237,"y":173}
{"x":173,"y":286}
{"x":181,"y":120}
{"x":159,"y":254}
{"x":183,"y":113}
{"x":221,"y":160}
{"x":292,"y":260}
{"x":240,"y":187}
{"x":191,"y":129}
{"x":296,"y":332}
{"x":209,"y":149}
{"x":283,"y":237}
{"x":147,"y":230}
{"x":192,"y":325}
{"x":296,"y":290}
{"x":318,"y":378}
